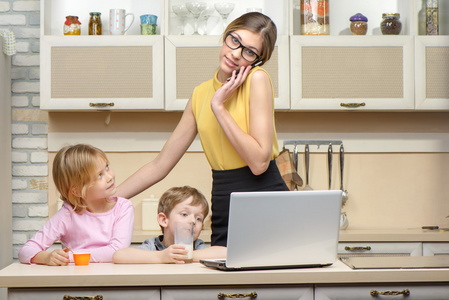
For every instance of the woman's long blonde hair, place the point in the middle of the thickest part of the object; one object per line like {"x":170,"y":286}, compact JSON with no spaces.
{"x":260,"y":24}
{"x":74,"y":170}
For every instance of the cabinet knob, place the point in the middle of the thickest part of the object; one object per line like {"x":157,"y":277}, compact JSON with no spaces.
{"x":252,"y":295}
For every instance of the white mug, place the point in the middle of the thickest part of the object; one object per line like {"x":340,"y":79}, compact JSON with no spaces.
{"x":117,"y":19}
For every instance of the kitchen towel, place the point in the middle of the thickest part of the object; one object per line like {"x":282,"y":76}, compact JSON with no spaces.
{"x":9,"y":41}
{"x":287,"y":170}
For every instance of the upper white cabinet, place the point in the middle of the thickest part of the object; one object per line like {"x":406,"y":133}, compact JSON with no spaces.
{"x":432,"y":72}
{"x":337,"y":72}
{"x":101,"y":72}
{"x":373,"y":72}
{"x":191,"y":60}
{"x":352,"y":73}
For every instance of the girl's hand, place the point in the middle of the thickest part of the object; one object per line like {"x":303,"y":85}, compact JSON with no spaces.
{"x":223,"y":93}
{"x":58,"y":257}
{"x":174,"y":254}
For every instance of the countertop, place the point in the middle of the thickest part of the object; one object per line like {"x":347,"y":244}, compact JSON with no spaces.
{"x":103,"y":275}
{"x":350,"y":235}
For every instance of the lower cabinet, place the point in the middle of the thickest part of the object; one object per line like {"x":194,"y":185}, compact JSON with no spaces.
{"x":379,"y":249}
{"x":370,"y":292}
{"x":134,"y":293}
{"x":247,"y":293}
{"x":432,"y":249}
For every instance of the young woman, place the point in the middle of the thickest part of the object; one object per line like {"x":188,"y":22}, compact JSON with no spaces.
{"x":235,"y":121}
{"x":91,"y":219}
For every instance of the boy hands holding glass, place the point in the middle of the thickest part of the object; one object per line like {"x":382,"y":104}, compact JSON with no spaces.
{"x":178,"y":204}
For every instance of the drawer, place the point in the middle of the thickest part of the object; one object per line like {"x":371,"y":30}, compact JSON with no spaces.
{"x":379,"y":249}
{"x":247,"y":293}
{"x":370,"y":292}
{"x":85,"y":293}
{"x":431,"y":249}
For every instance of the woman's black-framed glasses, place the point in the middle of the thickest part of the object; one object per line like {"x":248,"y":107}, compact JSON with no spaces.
{"x":234,"y":43}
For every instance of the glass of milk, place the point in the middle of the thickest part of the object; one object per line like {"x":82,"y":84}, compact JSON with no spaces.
{"x":184,"y":236}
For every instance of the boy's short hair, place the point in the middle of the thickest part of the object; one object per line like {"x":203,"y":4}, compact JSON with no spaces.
{"x":75,"y":168}
{"x":176,"y":195}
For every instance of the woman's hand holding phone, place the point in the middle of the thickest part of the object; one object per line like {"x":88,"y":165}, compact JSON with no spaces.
{"x":228,"y":88}
{"x":252,"y":66}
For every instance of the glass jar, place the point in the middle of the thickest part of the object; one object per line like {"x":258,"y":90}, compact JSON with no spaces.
{"x":314,"y":16}
{"x":72,"y":26}
{"x":359,"y":24}
{"x":95,"y":23}
{"x":431,"y":17}
{"x":390,"y":23}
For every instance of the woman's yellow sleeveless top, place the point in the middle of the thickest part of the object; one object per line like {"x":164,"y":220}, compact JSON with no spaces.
{"x":219,"y":151}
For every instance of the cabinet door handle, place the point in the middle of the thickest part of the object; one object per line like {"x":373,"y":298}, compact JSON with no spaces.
{"x":375,"y":293}
{"x":101,"y":104}
{"x":367,"y":248}
{"x":252,"y":295}
{"x":97,"y":297}
{"x":352,"y":105}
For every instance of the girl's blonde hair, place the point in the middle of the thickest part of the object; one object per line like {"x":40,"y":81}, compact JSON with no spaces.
{"x":176,"y":195}
{"x":74,"y":171}
{"x":260,"y":24}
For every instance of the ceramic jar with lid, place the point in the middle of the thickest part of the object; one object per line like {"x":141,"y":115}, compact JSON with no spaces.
{"x":359,"y":24}
{"x":72,"y":26}
{"x":391,"y":24}
{"x":95,"y":23}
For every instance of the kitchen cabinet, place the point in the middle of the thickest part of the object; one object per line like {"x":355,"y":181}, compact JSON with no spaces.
{"x":352,"y":73}
{"x":107,"y":72}
{"x":346,"y":249}
{"x":183,"y":70}
{"x":252,"y":292}
{"x":431,"y":249}
{"x":135,"y":293}
{"x":432,"y":72}
{"x":337,"y":72}
{"x":193,"y":59}
{"x":320,"y":73}
{"x":347,"y":72}
{"x":369,"y":292}
{"x":194,"y":281}
{"x":102,"y":73}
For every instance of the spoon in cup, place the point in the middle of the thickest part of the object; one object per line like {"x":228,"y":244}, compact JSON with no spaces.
{"x":69,"y":248}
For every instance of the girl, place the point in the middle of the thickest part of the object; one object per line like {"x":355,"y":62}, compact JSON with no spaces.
{"x":91,"y":219}
{"x":235,"y":121}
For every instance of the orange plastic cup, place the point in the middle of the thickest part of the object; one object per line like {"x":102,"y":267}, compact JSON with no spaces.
{"x":81,"y":259}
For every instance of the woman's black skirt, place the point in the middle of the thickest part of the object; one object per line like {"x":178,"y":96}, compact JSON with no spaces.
{"x":238,"y":180}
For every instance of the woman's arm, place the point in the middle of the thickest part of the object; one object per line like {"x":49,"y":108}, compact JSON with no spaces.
{"x":209,"y":253}
{"x":156,"y":170}
{"x":254,"y":148}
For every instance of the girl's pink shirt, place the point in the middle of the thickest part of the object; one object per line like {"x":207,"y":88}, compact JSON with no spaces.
{"x":101,"y":234}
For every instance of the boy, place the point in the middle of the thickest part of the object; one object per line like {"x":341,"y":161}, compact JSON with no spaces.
{"x":178,"y":204}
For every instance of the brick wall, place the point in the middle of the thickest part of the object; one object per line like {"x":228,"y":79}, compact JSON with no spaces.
{"x":29,"y":123}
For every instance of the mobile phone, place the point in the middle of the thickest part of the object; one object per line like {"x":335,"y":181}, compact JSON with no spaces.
{"x":252,"y":66}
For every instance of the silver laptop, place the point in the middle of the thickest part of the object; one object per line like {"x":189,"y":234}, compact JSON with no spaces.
{"x":281,"y":230}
